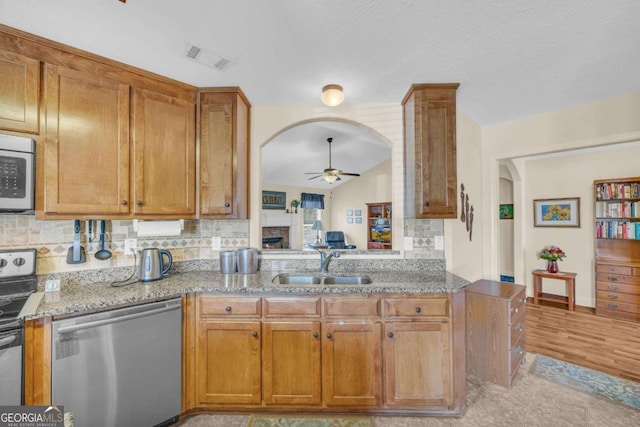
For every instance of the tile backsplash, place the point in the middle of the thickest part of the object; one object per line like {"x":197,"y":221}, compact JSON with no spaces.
{"x":52,"y":240}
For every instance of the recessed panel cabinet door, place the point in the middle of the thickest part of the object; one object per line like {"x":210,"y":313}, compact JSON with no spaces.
{"x":224,"y":154}
{"x":228,"y":363}
{"x":291,"y":363}
{"x":351,"y":364}
{"x":164,"y":155}
{"x":19,"y":92}
{"x":417,"y":366}
{"x":86,"y":155}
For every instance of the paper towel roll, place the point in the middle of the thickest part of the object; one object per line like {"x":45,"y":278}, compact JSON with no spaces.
{"x":159,"y":228}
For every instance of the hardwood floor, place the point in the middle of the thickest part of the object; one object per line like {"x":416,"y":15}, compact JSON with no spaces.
{"x":582,"y":338}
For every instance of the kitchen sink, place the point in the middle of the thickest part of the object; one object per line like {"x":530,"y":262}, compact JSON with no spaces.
{"x":347,"y":280}
{"x":286,"y":279}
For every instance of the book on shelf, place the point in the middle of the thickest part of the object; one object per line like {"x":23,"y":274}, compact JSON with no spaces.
{"x":625,"y":230}
{"x":613,"y":190}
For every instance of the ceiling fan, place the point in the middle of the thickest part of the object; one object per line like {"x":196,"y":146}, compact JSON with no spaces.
{"x":330,"y":174}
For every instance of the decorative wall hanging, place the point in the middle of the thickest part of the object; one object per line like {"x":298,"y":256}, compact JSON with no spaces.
{"x":466,"y":214}
{"x":556,"y":212}
{"x":274,"y":200}
{"x":506,"y":211}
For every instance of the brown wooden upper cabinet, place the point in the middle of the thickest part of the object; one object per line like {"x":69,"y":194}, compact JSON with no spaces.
{"x":164,"y":155}
{"x":98,"y":162}
{"x":429,"y":112}
{"x":224,"y":153}
{"x":19,"y":92}
{"x":86,"y":150}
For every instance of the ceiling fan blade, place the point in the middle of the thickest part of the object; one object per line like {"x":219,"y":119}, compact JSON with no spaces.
{"x":313,"y":173}
{"x":314,"y":177}
{"x":348,"y":174}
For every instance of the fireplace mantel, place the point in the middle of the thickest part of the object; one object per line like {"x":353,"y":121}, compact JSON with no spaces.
{"x":283,"y":220}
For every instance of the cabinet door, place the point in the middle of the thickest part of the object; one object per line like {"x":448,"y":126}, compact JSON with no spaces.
{"x":228,"y":363}
{"x":164,"y":155}
{"x":351,"y":364}
{"x":430,"y":162}
{"x":417,"y":364}
{"x":86,"y":155}
{"x":224,"y":160}
{"x":19,"y":92}
{"x":291,"y":363}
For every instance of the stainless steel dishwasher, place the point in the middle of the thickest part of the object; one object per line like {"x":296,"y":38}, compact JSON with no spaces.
{"x":120,"y":367}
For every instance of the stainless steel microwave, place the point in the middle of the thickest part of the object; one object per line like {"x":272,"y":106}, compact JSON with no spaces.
{"x":17,"y":174}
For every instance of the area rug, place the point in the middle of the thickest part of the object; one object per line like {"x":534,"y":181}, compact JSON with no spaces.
{"x":587,"y":380}
{"x":309,"y":421}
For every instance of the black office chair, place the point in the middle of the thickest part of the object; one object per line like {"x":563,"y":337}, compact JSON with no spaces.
{"x":335,"y":240}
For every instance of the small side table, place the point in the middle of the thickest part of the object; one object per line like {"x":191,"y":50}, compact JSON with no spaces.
{"x":569,"y":278}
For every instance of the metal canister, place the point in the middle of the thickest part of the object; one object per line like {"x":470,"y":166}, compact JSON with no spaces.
{"x":247,"y":260}
{"x":228,"y":262}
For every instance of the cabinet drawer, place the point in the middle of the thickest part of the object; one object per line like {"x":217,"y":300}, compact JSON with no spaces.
{"x":351,"y":307}
{"x":291,"y":306}
{"x":517,"y":354}
{"x":613,"y":269}
{"x":617,"y":306}
{"x":517,"y":306}
{"x":417,"y":307}
{"x":229,"y":306}
{"x":618,"y":297}
{"x":618,"y":287}
{"x":636,"y":272}
{"x":617,"y":278}
{"x":518,"y":327}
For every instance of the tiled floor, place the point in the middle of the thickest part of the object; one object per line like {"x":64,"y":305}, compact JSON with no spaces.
{"x":531,"y":402}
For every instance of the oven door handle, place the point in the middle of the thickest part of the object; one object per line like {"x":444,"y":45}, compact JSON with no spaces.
{"x":7,"y":340}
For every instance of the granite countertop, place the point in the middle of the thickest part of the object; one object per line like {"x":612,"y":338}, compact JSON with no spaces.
{"x":76,"y":298}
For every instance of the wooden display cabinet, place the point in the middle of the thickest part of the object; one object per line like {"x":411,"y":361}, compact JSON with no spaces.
{"x":617,"y":244}
{"x":379,"y":225}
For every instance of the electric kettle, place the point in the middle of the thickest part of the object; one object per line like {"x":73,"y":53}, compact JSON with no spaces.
{"x":152,"y":265}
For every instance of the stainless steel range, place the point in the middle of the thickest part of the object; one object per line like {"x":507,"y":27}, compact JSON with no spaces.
{"x":17,"y":282}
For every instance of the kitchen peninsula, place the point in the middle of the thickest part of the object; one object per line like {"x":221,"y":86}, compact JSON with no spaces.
{"x":396,"y":345}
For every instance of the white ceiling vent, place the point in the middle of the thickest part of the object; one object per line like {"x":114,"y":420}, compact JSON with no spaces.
{"x":208,"y":58}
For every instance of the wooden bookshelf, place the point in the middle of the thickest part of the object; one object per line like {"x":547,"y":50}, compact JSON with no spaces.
{"x":617,"y":245}
{"x":379,"y":225}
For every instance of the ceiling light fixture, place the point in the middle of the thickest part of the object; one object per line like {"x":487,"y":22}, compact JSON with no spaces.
{"x":330,"y":178}
{"x":332,"y":95}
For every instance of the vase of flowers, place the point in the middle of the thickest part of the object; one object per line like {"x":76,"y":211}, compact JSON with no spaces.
{"x":552,"y":254}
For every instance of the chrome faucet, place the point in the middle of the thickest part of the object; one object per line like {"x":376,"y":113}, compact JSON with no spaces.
{"x":325,"y":259}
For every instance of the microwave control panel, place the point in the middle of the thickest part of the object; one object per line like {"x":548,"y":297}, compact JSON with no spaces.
{"x":13,"y":177}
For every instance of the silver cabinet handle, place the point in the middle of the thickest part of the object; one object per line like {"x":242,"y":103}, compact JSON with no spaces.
{"x":612,"y":279}
{"x":613,"y":288}
{"x":612,"y":296}
{"x":103,"y":322}
{"x":519,"y":350}
{"x":613,"y":306}
{"x":515,"y":310}
{"x":519,"y":328}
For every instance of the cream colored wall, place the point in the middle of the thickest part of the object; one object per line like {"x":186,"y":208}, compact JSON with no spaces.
{"x":372,"y":186}
{"x":506,"y":229}
{"x":599,"y":123}
{"x":464,"y":257}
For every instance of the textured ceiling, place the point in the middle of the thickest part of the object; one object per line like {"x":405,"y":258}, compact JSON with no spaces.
{"x":512,"y":58}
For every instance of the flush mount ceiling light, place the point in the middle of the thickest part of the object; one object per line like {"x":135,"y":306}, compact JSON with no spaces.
{"x":332,"y":95}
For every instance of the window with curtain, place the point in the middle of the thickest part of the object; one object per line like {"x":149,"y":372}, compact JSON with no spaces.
{"x":312,"y":201}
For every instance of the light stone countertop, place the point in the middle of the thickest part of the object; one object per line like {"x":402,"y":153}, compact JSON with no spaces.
{"x":74,"y":298}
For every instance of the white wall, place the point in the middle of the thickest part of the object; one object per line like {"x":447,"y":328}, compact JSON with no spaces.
{"x":506,"y":225}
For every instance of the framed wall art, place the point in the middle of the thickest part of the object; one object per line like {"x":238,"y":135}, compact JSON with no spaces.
{"x":274,"y":200}
{"x":506,"y":211}
{"x":556,"y":212}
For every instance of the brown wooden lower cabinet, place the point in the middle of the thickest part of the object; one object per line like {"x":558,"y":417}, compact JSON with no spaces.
{"x":291,"y":363}
{"x":417,"y":365}
{"x":361,"y":353}
{"x":351,"y":364}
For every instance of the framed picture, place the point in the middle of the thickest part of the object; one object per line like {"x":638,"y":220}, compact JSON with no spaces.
{"x":358,"y":212}
{"x":274,"y":200}
{"x":349,"y":220}
{"x":349,"y":212}
{"x":358,"y":219}
{"x":556,"y":212}
{"x":506,"y":211}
